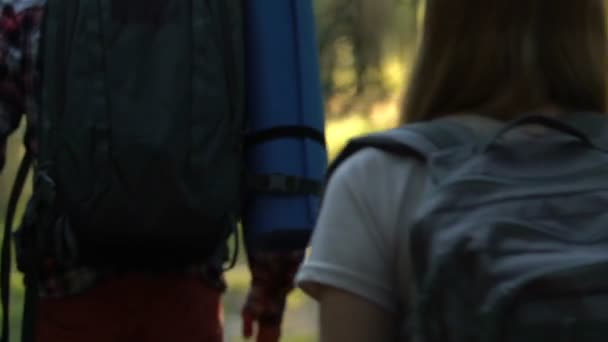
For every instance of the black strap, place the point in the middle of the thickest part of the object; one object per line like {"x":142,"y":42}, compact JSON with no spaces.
{"x":279,"y":132}
{"x":30,"y":306}
{"x":6,"y":262}
{"x":281,"y":184}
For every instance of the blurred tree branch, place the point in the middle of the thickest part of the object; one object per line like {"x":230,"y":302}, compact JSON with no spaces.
{"x":372,"y":30}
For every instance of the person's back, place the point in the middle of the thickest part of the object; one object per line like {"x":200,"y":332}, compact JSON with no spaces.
{"x":135,"y":124}
{"x":495,"y":61}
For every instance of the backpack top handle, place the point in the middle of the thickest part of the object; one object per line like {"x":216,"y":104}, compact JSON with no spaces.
{"x":589,"y":128}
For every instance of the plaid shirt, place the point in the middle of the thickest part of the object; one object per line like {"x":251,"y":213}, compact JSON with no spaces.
{"x":19,"y":34}
{"x":272,"y":273}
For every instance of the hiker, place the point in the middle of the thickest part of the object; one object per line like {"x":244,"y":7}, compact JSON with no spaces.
{"x":482,"y":217}
{"x":152,"y":191}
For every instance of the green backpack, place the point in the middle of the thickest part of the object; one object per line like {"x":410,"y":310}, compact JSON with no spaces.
{"x":140,"y":135}
{"x":141,"y":132}
{"x":141,"y":138}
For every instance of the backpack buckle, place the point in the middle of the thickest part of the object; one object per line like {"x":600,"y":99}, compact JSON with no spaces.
{"x":278,"y":183}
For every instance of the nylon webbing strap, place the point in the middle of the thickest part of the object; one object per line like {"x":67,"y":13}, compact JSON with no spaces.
{"x":281,"y":184}
{"x":6,"y":260}
{"x":30,"y":306}
{"x":279,"y":132}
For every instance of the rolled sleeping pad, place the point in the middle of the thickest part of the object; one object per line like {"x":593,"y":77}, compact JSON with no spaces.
{"x":285,"y":148}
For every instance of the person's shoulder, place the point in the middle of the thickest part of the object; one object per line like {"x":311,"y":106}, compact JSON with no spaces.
{"x":370,"y":165}
{"x":371,"y":157}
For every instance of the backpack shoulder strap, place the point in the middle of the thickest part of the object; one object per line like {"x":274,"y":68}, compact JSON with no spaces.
{"x":5,"y":253}
{"x":419,"y":140}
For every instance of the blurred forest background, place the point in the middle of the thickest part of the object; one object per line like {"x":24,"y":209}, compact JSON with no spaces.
{"x":365,"y":49}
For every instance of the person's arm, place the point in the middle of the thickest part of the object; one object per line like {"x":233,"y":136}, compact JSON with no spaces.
{"x":353,"y":269}
{"x":17,"y":70}
{"x":272,"y":280}
{"x":345,"y":316}
{"x":11,"y":94}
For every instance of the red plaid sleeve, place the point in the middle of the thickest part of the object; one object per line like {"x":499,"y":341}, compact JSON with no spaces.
{"x":19,"y":34}
{"x":272,"y":279}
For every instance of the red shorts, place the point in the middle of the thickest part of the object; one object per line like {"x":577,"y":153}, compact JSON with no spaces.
{"x":135,"y":308}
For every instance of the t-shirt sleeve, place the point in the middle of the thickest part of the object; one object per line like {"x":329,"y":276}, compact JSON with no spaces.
{"x":353,"y":246}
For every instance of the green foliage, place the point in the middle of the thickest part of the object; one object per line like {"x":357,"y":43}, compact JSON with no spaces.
{"x":14,"y":153}
{"x":357,"y":37}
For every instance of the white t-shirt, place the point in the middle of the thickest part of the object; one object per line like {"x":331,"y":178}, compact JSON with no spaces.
{"x":360,"y":243}
{"x":361,"y":240}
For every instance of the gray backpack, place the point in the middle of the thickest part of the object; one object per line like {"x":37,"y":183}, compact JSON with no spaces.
{"x":511,"y":243}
